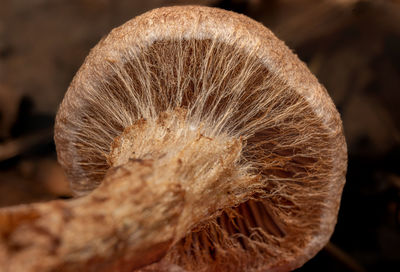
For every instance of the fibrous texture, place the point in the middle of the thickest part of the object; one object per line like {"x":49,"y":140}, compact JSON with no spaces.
{"x":175,"y":77}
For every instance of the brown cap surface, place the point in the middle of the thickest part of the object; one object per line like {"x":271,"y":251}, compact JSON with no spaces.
{"x":233,"y":76}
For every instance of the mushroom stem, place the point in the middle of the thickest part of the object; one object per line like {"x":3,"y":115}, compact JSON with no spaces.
{"x":124,"y":224}
{"x":148,"y":201}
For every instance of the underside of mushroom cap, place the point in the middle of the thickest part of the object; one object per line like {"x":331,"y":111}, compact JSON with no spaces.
{"x":232,"y":76}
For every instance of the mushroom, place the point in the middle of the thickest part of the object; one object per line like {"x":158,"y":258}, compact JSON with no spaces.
{"x":197,"y":141}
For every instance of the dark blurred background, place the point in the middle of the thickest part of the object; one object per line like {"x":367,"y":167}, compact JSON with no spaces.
{"x":352,"y":46}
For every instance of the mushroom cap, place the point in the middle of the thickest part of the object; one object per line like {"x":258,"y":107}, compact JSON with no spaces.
{"x":233,"y":76}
